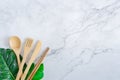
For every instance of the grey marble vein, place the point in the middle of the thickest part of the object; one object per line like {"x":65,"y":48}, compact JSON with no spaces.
{"x":83,"y":35}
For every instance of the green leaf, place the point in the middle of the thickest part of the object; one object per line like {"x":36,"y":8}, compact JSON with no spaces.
{"x":8,"y":64}
{"x":39,"y":74}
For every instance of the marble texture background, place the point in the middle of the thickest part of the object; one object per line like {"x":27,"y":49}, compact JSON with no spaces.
{"x":84,"y":35}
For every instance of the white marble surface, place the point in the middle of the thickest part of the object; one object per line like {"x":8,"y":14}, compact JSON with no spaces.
{"x":84,"y":35}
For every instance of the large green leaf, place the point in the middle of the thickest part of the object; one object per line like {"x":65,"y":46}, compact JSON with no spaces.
{"x":8,"y":64}
{"x":39,"y":74}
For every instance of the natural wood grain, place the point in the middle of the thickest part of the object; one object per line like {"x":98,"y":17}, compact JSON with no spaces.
{"x":27,"y":48}
{"x":34,"y":55}
{"x":15,"y":44}
{"x":38,"y":64}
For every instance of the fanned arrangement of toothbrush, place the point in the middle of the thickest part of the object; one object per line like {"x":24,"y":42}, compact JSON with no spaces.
{"x":13,"y":66}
